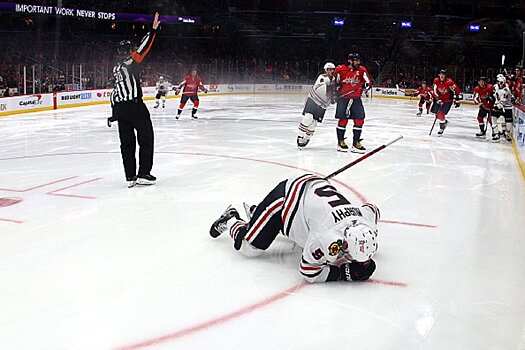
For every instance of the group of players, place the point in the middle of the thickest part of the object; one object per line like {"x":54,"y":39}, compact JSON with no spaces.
{"x":494,"y":101}
{"x":345,"y":84}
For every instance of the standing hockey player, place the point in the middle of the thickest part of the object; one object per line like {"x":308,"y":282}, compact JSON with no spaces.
{"x":445,"y":91}
{"x":131,"y":112}
{"x":425,"y":97}
{"x":350,"y":79}
{"x":502,"y":113}
{"x":163,"y":86}
{"x":483,"y":97}
{"x":338,"y":238}
{"x":319,"y":98}
{"x":189,"y":86}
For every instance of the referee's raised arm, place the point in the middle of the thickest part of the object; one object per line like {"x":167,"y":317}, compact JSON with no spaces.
{"x":146,"y":43}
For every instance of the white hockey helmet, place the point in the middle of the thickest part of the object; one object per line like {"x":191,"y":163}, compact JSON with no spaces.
{"x":329,"y":65}
{"x":501,"y":78}
{"x":161,"y":78}
{"x":362,"y":242}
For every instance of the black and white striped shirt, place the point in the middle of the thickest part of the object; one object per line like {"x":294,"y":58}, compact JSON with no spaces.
{"x":127,"y":73}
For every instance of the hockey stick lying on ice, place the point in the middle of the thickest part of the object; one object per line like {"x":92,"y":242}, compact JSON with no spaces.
{"x":360,"y":159}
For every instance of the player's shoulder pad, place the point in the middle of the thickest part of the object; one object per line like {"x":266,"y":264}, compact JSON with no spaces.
{"x":436,"y":80}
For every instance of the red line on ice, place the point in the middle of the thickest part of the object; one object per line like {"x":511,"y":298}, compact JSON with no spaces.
{"x":54,"y":193}
{"x":12,"y":220}
{"x":39,"y":186}
{"x":215,"y":321}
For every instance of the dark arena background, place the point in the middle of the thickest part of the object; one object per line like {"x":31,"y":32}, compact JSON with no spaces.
{"x":133,"y":148}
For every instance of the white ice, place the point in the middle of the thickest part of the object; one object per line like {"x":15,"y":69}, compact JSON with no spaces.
{"x":86,"y":263}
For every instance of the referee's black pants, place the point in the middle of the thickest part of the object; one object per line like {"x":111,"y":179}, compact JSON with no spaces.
{"x":133,"y":116}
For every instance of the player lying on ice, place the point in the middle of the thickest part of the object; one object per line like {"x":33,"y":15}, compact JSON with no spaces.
{"x":338,"y":238}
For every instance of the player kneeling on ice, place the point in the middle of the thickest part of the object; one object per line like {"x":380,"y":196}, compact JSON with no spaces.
{"x":338,"y":239}
{"x":319,"y":98}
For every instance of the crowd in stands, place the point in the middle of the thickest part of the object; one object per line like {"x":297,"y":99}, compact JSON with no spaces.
{"x":227,"y":51}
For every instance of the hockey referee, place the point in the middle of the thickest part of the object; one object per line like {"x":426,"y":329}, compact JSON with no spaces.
{"x":131,"y":112}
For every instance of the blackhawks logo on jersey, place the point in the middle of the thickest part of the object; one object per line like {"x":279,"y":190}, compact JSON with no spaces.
{"x":337,"y":247}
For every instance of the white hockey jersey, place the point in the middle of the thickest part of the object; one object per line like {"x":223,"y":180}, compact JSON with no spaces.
{"x":503,"y":96}
{"x":164,"y":86}
{"x":322,"y":91}
{"x":315,"y":216}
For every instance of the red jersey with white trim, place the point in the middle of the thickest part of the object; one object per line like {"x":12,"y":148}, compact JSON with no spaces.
{"x":445,"y":90}
{"x":191,"y":85}
{"x":351,"y":81}
{"x":315,"y":216}
{"x":484,"y":96}
{"x":426,"y":93}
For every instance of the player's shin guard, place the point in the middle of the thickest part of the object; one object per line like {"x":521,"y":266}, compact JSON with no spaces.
{"x":481,"y":124}
{"x":358,"y":129}
{"x":304,"y":125}
{"x":341,"y":129}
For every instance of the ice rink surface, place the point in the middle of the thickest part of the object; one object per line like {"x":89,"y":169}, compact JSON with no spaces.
{"x":86,"y":263}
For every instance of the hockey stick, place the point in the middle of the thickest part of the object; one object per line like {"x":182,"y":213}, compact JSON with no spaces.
{"x":433,"y":124}
{"x":349,"y":165}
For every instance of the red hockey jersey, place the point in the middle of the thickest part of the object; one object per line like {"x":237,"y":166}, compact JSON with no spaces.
{"x":351,"y":81}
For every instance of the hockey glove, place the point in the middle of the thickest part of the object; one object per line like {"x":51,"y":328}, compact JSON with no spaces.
{"x":177,"y":91}
{"x":357,"y":271}
{"x":439,"y":102}
{"x":205,"y":91}
{"x":456,"y":104}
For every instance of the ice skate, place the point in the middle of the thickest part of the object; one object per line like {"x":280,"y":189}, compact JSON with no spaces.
{"x":442,"y":127}
{"x":357,"y":147}
{"x":507,"y":136}
{"x":418,"y":114}
{"x":481,"y":133}
{"x":156,"y":105}
{"x":131,"y":181}
{"x":220,"y":225}
{"x":302,"y":142}
{"x":495,"y":137}
{"x":249,"y":209}
{"x":342,"y":146}
{"x":146,"y":180}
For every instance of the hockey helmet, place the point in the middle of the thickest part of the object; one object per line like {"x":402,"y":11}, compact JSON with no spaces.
{"x":482,"y":79}
{"x":161,"y":78}
{"x":329,"y":65}
{"x":423,"y":82}
{"x":501,"y":79}
{"x":442,"y":71}
{"x":124,"y":47}
{"x":354,"y":56}
{"x":362,"y":242}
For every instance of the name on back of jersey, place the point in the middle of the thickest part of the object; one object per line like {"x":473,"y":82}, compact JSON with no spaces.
{"x":342,"y":213}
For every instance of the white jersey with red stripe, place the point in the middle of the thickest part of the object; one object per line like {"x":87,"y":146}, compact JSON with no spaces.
{"x":323,"y":90}
{"x":315,"y":216}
